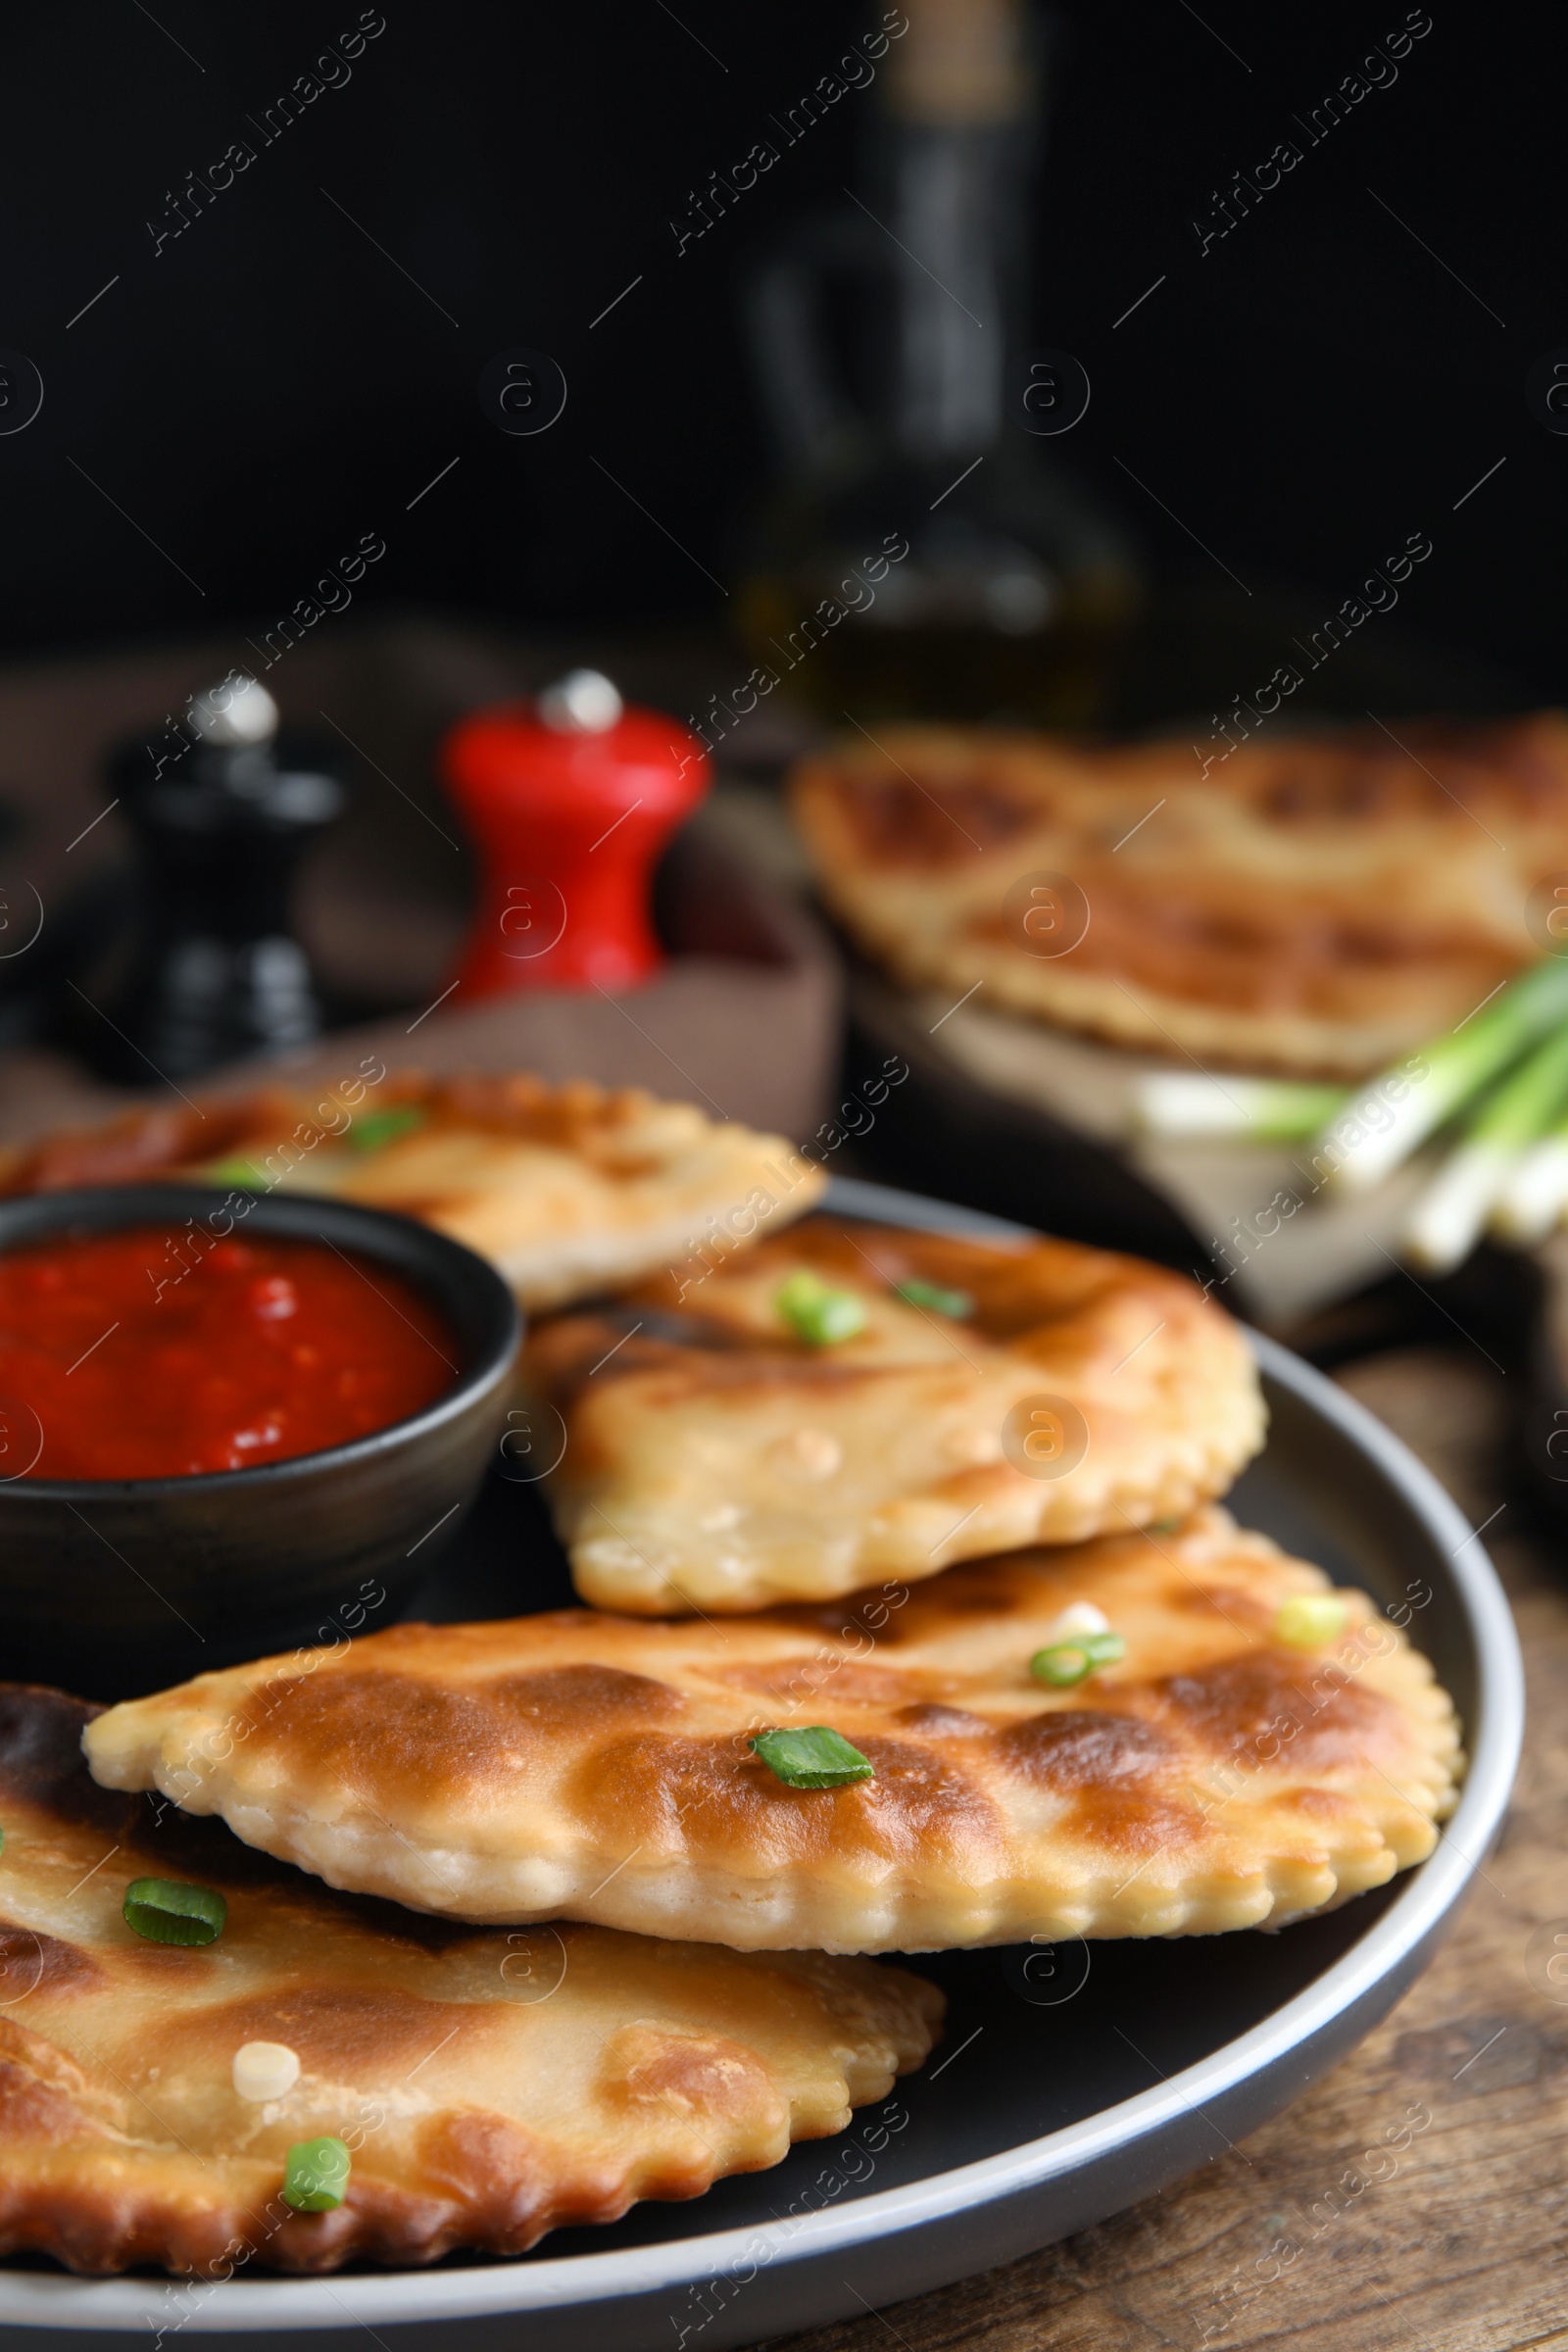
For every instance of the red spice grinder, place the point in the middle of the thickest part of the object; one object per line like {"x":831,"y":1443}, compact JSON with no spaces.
{"x":570,"y":800}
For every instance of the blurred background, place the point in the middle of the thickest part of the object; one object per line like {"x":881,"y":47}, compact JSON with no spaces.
{"x":288,"y":371}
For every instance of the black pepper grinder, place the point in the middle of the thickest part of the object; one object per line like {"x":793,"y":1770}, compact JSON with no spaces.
{"x":221,"y":822}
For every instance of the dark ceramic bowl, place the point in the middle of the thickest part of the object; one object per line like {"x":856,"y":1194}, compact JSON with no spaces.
{"x":111,"y":1585}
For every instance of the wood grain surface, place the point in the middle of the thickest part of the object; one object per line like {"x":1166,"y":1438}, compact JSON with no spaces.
{"x":1415,"y":2197}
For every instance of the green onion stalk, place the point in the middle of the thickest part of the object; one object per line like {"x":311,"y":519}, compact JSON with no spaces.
{"x":1534,"y":1197}
{"x":1445,"y":1222}
{"x":1393,"y":1115}
{"x":1183,"y":1103}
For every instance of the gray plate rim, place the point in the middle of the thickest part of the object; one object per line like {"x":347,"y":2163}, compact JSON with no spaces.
{"x":38,"y":2299}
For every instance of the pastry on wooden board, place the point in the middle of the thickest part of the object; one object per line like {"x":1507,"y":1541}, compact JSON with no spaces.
{"x":1312,"y":904}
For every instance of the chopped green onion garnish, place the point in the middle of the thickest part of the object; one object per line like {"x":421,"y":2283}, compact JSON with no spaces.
{"x":812,"y":1758}
{"x":380,"y":1127}
{"x":248,"y":1174}
{"x":1308,"y":1620}
{"x":1067,"y":1662}
{"x":169,"y":1911}
{"x":932,"y":1296}
{"x":817,"y":1315}
{"x":316,"y":2174}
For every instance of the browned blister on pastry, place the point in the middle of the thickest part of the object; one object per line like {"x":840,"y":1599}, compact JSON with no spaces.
{"x":1317,"y":904}
{"x":602,"y":1767}
{"x":566,"y":1189}
{"x":488,"y":2087}
{"x":717,"y":1460}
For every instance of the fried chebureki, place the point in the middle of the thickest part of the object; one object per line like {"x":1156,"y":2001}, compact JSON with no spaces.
{"x":489,"y":2088}
{"x":1318,"y":904}
{"x":575,"y":1765}
{"x":566,"y":1188}
{"x":717,"y":1460}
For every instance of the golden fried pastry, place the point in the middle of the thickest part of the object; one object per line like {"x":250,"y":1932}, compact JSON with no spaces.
{"x":1319,"y":904}
{"x":487,"y":2087}
{"x":568,"y":1189}
{"x":720,"y":1456}
{"x":573,"y":1765}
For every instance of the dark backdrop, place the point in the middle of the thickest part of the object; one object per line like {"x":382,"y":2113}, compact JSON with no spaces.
{"x":269,"y":385}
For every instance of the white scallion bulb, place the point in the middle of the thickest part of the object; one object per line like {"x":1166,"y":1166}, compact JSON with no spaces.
{"x":1080,"y":1617}
{"x":264,"y":2069}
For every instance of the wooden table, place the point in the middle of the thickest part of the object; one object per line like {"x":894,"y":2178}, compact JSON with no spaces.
{"x":1284,"y":2241}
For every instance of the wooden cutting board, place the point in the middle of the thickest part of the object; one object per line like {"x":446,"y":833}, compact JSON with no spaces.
{"x":1281,"y":1244}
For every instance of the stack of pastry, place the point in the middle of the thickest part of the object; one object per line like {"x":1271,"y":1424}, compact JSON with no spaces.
{"x":914,"y":1623}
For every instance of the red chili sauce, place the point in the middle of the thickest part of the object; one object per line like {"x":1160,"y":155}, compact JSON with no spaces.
{"x":158,"y":1353}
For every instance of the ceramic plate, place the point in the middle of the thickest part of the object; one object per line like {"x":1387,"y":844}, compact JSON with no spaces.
{"x":1072,"y":2080}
